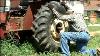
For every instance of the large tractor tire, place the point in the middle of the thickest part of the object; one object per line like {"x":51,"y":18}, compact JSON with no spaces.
{"x":43,"y":24}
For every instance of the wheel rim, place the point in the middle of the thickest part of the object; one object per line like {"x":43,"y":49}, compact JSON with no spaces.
{"x":53,"y":29}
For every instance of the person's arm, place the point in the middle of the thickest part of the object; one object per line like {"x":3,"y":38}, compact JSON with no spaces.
{"x":67,"y":18}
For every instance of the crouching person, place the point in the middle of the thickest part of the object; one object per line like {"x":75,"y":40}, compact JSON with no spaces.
{"x":77,"y":32}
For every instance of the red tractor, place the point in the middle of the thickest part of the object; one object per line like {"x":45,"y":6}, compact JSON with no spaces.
{"x":34,"y":17}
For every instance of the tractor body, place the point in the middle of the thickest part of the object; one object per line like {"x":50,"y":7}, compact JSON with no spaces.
{"x":17,"y":15}
{"x":33,"y":17}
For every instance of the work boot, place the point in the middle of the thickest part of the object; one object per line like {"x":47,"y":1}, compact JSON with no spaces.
{"x":98,"y":51}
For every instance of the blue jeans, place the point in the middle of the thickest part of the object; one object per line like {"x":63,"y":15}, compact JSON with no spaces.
{"x":81,"y":39}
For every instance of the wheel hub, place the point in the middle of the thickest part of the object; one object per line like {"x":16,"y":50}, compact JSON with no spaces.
{"x":56,"y":27}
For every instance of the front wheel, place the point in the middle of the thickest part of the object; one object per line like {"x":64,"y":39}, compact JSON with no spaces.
{"x":45,"y":26}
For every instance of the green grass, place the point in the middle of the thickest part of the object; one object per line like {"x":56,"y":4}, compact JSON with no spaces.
{"x":98,"y":20}
{"x":94,"y":42}
{"x":92,"y":28}
{"x":88,"y":21}
{"x":10,"y":49}
{"x":26,"y":49}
